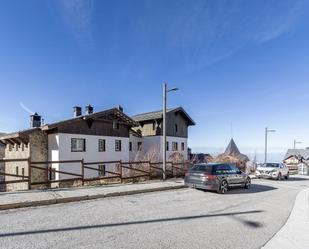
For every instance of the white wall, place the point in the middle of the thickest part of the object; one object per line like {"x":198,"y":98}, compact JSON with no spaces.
{"x":151,"y":144}
{"x":91,"y":154}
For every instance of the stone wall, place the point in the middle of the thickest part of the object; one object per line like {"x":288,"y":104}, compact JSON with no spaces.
{"x":36,"y":150}
{"x":16,"y":152}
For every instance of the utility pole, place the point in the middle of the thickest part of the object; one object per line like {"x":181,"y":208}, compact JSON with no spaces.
{"x":165,"y":91}
{"x":266,"y":138}
{"x":296,"y":142}
{"x":164,"y":132}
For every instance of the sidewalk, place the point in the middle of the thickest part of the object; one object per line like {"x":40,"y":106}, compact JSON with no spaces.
{"x":31,"y":198}
{"x":294,"y":234}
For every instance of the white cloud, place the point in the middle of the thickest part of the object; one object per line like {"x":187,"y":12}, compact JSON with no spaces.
{"x":210,"y":31}
{"x":25,"y":108}
{"x":77,"y":16}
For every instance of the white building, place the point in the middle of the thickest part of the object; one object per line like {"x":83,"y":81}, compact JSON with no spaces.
{"x":147,"y":139}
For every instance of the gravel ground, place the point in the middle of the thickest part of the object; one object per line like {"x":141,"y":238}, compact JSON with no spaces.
{"x":184,"y":218}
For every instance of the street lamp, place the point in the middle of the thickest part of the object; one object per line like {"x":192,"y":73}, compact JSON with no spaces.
{"x":266,"y":135}
{"x":165,"y":91}
{"x":296,"y":142}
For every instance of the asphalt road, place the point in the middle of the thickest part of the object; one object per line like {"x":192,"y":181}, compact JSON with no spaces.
{"x":184,"y":218}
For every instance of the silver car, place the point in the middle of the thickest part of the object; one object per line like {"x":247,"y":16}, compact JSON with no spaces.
{"x":272,"y":171}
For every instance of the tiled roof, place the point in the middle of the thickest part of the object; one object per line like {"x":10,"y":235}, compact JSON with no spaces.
{"x":158,"y":115}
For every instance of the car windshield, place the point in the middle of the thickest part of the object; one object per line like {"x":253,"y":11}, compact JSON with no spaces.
{"x":203,"y":168}
{"x":271,"y":165}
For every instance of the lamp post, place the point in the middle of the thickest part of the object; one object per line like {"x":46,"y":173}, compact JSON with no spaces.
{"x":266,"y":137}
{"x":165,"y":91}
{"x":296,"y":142}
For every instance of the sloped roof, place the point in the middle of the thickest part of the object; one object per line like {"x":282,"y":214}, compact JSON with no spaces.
{"x":117,"y":112}
{"x":233,"y":151}
{"x":297,"y":152}
{"x":232,"y":148}
{"x":159,"y":114}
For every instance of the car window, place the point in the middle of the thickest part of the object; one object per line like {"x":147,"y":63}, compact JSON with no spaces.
{"x":222,"y":169}
{"x":234,"y":169}
{"x":203,"y":168}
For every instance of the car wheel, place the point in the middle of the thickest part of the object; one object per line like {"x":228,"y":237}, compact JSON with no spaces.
{"x":223,"y":187}
{"x":287,"y":176}
{"x":279,"y":177}
{"x":248,"y":183}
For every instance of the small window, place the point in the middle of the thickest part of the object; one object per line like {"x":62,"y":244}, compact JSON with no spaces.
{"x":130,"y":146}
{"x":26,"y":145}
{"x":78,"y":145}
{"x":139,"y":146}
{"x":23,"y":172}
{"x":23,"y":147}
{"x":101,"y":170}
{"x":17,"y":170}
{"x":176,"y":128}
{"x":116,"y":125}
{"x":182,"y":146}
{"x":10,"y":147}
{"x":153,"y":126}
{"x":167,"y":146}
{"x":17,"y":147}
{"x":117,"y":145}
{"x":102,"y":144}
{"x":52,"y":174}
{"x":175,"y":146}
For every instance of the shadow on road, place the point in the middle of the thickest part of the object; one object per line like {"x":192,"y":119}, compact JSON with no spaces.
{"x":183,"y":218}
{"x":255,"y":188}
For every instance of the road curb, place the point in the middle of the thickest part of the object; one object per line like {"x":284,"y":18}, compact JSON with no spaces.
{"x":59,"y":200}
{"x":293,"y":234}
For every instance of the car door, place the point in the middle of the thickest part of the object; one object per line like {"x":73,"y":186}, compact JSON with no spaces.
{"x":228,"y":173}
{"x":238,"y":176}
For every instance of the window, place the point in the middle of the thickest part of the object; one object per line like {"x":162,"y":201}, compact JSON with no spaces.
{"x":17,"y":170}
{"x":78,"y":144}
{"x":23,"y":147}
{"x":117,"y":145}
{"x":101,"y":170}
{"x":167,"y":146}
{"x":10,"y":147}
{"x":130,"y":146}
{"x":234,"y":169}
{"x":222,"y":169}
{"x":23,"y":172}
{"x":175,"y":146}
{"x":17,"y":147}
{"x":182,"y":146}
{"x":52,"y":174}
{"x":102,"y":145}
{"x":153,"y":126}
{"x":115,"y":125}
{"x":176,"y":128}
{"x":139,"y":146}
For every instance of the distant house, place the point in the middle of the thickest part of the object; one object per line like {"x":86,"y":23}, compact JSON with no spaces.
{"x":297,"y":160}
{"x":147,"y":140}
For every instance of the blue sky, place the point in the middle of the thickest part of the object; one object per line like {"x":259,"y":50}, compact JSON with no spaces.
{"x":240,"y":65}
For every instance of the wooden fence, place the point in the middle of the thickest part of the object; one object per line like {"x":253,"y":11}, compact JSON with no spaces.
{"x":126,"y":171}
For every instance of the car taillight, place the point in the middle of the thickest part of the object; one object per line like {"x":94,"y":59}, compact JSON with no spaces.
{"x":210,"y":177}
